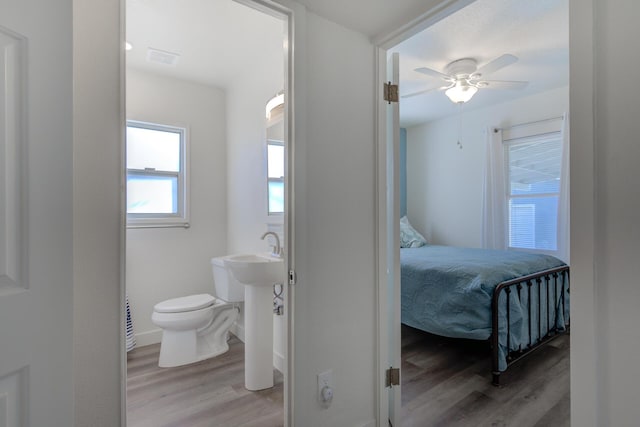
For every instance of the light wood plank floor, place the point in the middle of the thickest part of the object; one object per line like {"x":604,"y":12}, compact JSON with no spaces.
{"x":204,"y":394}
{"x":445,"y":382}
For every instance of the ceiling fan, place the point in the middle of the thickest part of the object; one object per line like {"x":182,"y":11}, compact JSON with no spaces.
{"x":463,"y":78}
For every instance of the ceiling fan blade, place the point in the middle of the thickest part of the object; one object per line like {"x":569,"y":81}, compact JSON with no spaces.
{"x":502,"y":84}
{"x":497,"y":64}
{"x":433,"y":73}
{"x":420,"y":92}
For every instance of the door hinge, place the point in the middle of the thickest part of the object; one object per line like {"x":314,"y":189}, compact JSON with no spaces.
{"x":292,"y":277}
{"x":393,"y":377}
{"x":390,"y":92}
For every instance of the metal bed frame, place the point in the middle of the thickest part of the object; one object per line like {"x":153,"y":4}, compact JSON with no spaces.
{"x":545,"y":281}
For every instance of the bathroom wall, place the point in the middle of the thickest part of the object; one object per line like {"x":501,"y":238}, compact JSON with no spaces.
{"x":246,"y":155}
{"x":166,"y":263}
{"x":246,"y":169}
{"x":444,"y":182}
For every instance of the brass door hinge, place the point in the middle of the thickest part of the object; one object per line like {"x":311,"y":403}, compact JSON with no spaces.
{"x":393,"y":377}
{"x":390,"y":92}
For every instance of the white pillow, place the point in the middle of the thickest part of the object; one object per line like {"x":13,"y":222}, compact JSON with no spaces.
{"x":409,"y":236}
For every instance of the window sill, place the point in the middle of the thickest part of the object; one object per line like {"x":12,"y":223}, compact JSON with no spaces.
{"x":157,"y":224}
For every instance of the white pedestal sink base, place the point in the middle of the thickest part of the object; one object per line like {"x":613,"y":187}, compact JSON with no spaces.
{"x":258,"y":273}
{"x":258,"y":347}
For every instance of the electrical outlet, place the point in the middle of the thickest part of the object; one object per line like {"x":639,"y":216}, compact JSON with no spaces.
{"x":325,"y":387}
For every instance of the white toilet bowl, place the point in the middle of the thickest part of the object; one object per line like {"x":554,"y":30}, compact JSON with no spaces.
{"x":196,"y":327}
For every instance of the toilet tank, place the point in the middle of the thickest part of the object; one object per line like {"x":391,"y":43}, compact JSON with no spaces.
{"x":227,"y":288}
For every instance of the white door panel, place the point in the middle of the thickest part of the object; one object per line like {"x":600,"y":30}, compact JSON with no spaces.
{"x":388,"y":244}
{"x":36,"y":305}
{"x":393,"y":236}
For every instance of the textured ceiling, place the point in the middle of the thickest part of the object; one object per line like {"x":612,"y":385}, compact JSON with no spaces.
{"x":537,"y":32}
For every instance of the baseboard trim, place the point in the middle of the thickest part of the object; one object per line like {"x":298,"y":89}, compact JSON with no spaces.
{"x":149,"y":337}
{"x":278,"y":362}
{"x":238,"y":331}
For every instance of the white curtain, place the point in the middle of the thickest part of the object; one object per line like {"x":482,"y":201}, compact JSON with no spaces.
{"x":563,"y":200}
{"x":494,"y":201}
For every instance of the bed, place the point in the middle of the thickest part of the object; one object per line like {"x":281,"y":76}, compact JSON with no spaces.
{"x":472,"y":293}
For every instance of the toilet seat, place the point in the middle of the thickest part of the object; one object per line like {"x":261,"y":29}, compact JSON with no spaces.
{"x":185,"y":304}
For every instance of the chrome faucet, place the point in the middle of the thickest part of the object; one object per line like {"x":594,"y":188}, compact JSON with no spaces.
{"x":277,"y":250}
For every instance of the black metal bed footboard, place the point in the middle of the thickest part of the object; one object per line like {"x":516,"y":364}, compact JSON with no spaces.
{"x":538,"y":303}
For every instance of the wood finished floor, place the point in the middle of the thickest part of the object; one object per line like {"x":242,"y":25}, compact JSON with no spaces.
{"x":210,"y":393}
{"x":445,"y":382}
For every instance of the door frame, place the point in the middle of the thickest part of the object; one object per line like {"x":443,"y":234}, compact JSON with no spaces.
{"x":584,"y":340}
{"x":383,"y":268}
{"x":291,"y":12}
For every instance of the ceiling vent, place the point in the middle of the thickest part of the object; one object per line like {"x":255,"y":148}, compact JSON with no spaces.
{"x":162,"y":57}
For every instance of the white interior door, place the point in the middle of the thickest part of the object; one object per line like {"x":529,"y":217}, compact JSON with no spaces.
{"x":393,"y":230}
{"x":389,"y":246}
{"x":36,"y":301}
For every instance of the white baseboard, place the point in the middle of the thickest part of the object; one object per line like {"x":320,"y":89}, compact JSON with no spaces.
{"x":278,"y":362}
{"x":238,"y":331}
{"x":147,"y":338}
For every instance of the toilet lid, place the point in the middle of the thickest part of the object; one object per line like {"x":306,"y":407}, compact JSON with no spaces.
{"x":188,"y":303}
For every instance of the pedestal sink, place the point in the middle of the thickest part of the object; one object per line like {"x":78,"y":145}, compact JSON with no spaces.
{"x":258,"y":272}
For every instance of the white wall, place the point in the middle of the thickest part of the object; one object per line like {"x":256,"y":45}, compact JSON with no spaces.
{"x":444,"y":182}
{"x":246,"y":155}
{"x":246,"y":162}
{"x":585,"y":404}
{"x":335,"y":227}
{"x":617,"y":270}
{"x":165,"y":263}
{"x":98,"y":360}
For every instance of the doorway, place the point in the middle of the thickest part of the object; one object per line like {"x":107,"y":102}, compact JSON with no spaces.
{"x":205,"y":72}
{"x":442,"y":151}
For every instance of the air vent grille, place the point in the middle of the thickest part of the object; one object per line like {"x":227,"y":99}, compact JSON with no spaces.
{"x":162,"y":57}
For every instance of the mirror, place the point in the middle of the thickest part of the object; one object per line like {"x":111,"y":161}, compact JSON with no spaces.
{"x":275,"y":162}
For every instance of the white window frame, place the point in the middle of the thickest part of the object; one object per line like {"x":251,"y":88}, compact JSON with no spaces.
{"x":521,"y":140}
{"x":165,"y":220}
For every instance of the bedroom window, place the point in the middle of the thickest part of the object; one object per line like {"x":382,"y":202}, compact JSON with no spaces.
{"x":275,"y":176}
{"x":156,"y":176}
{"x":533,"y":175}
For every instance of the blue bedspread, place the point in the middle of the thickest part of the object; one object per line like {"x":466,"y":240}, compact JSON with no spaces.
{"x":448,"y":290}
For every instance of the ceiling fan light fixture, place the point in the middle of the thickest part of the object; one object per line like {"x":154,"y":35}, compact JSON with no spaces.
{"x":461,"y":92}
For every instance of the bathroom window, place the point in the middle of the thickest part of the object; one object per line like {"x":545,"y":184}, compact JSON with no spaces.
{"x":156,"y":176}
{"x":275,"y":176}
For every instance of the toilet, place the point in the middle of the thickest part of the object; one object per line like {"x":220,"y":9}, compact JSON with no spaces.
{"x":196,"y":327}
